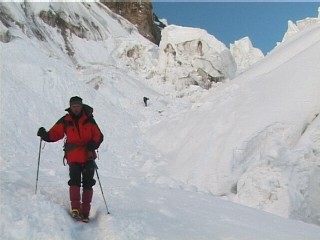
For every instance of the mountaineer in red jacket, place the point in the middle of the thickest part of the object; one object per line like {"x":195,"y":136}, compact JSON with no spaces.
{"x":83,"y":137}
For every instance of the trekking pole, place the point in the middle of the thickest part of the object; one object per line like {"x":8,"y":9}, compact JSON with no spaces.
{"x":38,"y":165}
{"x":104,"y":199}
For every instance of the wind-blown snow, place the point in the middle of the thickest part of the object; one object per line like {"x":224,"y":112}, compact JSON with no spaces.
{"x":254,"y":139}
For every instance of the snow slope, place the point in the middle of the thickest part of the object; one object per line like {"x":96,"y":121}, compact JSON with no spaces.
{"x":244,"y":137}
{"x":38,"y":78}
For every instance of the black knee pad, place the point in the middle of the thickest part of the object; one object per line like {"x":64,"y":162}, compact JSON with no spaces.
{"x":88,"y":183}
{"x":74,"y":183}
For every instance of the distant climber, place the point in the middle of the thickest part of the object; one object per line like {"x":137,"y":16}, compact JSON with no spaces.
{"x":145,"y":99}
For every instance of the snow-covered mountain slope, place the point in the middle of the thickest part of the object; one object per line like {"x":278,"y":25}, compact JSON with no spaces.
{"x":294,"y":28}
{"x":244,"y":138}
{"x":39,"y":75}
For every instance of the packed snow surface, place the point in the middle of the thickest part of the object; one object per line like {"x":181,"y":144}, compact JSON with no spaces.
{"x":180,"y":168}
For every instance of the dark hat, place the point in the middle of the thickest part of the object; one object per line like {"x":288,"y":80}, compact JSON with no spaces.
{"x":75,"y":100}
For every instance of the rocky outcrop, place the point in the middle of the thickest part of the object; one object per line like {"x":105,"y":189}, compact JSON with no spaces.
{"x":4,"y":33}
{"x":139,"y":13}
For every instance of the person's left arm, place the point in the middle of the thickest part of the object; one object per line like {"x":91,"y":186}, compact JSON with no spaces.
{"x":97,"y":136}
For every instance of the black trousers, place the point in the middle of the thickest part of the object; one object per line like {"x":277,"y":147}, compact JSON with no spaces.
{"x":82,"y":173}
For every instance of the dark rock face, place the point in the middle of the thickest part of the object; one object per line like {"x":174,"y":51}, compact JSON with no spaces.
{"x":139,"y":13}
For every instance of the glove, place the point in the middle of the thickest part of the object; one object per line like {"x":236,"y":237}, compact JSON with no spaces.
{"x":91,"y":146}
{"x":43,"y":133}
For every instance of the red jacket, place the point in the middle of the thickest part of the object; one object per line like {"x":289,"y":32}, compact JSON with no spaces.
{"x":79,"y":132}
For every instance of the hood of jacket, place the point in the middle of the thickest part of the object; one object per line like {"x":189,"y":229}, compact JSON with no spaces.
{"x":85,"y":108}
